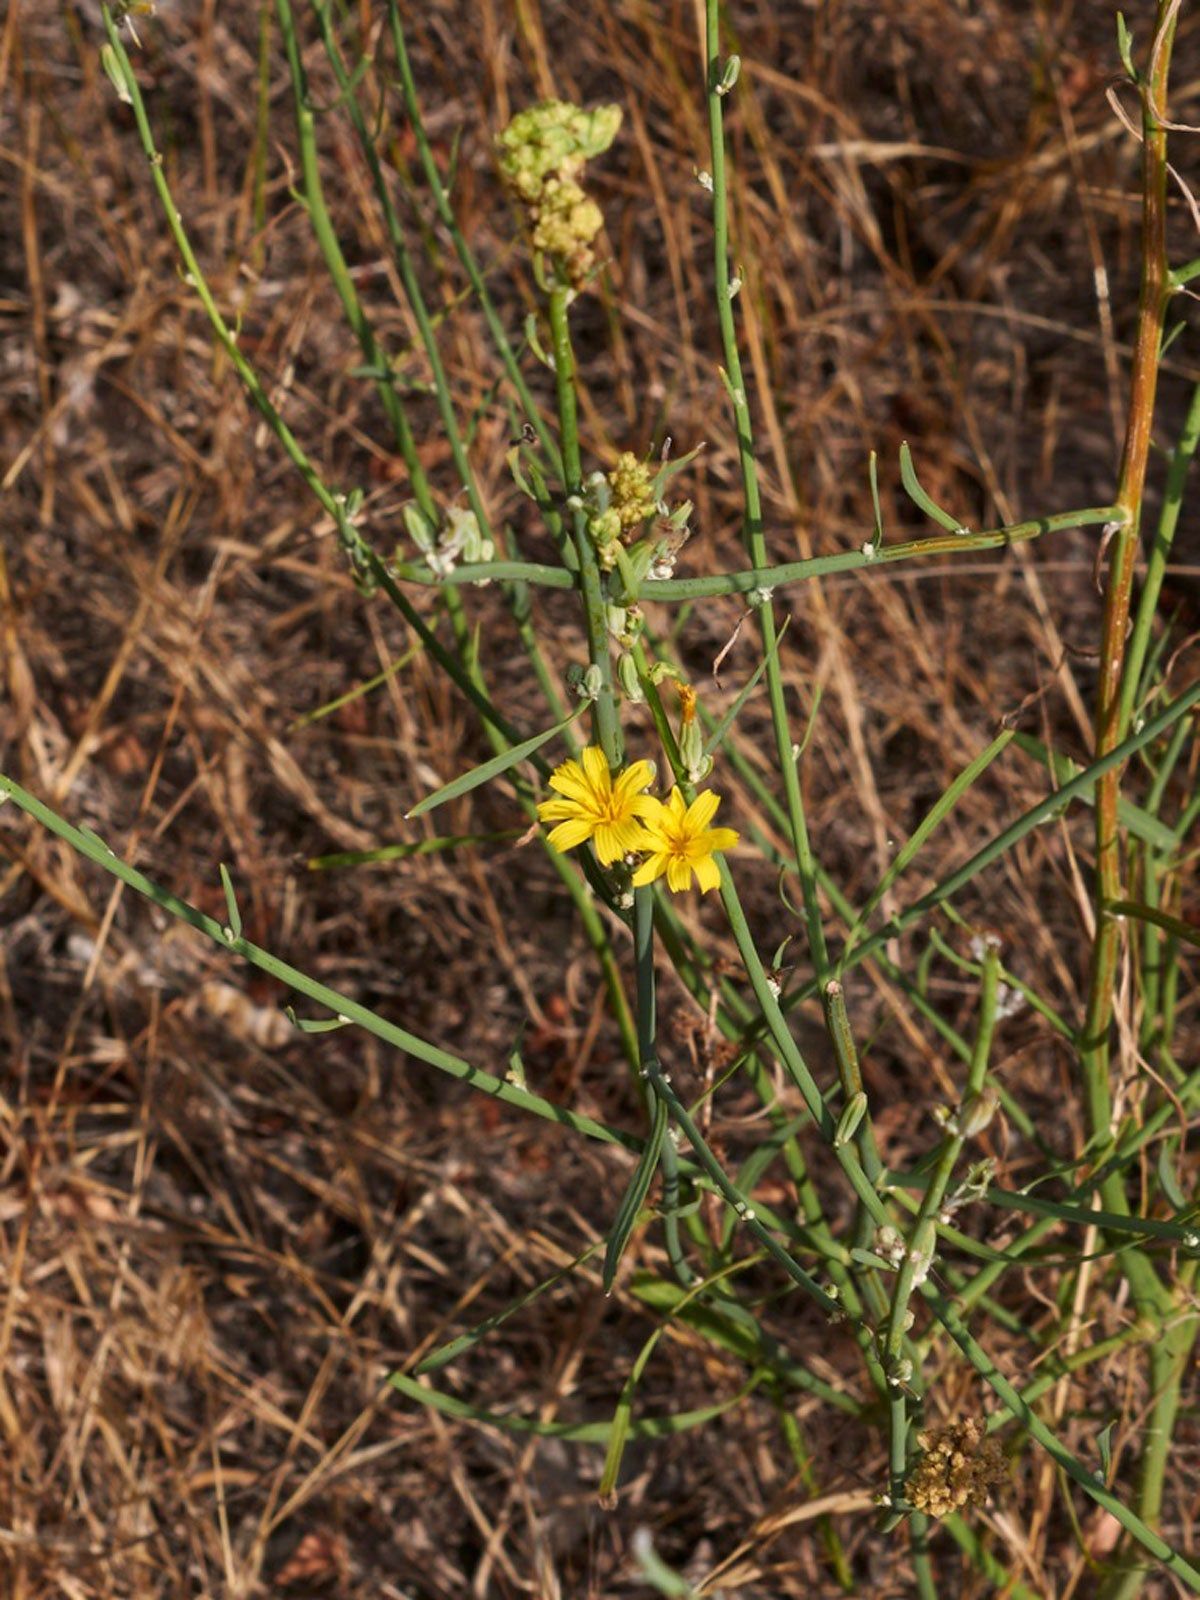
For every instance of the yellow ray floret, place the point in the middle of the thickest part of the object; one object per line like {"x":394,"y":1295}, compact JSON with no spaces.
{"x":681,"y":842}
{"x":596,"y":806}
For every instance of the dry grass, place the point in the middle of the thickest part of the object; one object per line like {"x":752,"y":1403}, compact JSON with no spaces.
{"x":218,"y":1238}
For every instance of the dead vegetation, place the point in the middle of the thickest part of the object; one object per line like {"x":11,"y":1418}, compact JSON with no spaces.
{"x":218,"y":1237}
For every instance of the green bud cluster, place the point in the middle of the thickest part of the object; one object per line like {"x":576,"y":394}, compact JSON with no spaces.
{"x":541,"y":153}
{"x":618,"y":503}
{"x":631,"y":485}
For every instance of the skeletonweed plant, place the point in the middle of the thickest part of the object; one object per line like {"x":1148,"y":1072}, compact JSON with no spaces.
{"x":898,"y":1273}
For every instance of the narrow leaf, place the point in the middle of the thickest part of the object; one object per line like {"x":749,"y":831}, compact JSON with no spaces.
{"x":873,"y":473}
{"x":635,"y":1195}
{"x":315,"y":1024}
{"x":920,"y":499}
{"x":1175,"y":926}
{"x":573,"y":1432}
{"x":1104,"y":1445}
{"x":937,"y":813}
{"x":1140,"y":823}
{"x":490,"y":769}
{"x":231,"y":905}
{"x":1167,"y":1180}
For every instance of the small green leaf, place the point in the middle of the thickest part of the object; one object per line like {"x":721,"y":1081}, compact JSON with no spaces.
{"x":534,"y":342}
{"x":490,"y":769}
{"x":655,"y":1570}
{"x":1167,"y":1180}
{"x":737,"y":396}
{"x":1104,"y":1445}
{"x":853,"y":1112}
{"x":1175,"y":926}
{"x":516,"y":1062}
{"x":1125,"y":47}
{"x":635,"y":1195}
{"x":920,"y":499}
{"x":867,"y":1258}
{"x":873,"y":473}
{"x":234,"y":930}
{"x":315,"y":1024}
{"x":668,"y":469}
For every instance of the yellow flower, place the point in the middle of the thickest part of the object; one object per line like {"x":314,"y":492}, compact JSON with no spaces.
{"x":681,"y":842}
{"x":595,"y":807}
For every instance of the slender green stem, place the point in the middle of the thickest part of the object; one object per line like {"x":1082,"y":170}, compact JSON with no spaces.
{"x":1112,"y":703}
{"x":449,"y":221}
{"x":607,"y":722}
{"x":671,"y":590}
{"x":536,"y":573}
{"x":919,"y":1256}
{"x":1170,"y":1358}
{"x":765,"y":577}
{"x":331,"y":250}
{"x":1160,"y":553}
{"x":832,"y":999}
{"x":404,"y":266}
{"x":1117,"y":690}
{"x":341,"y":1006}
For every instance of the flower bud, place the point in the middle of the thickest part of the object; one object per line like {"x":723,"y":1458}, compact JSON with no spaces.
{"x":852,"y":1114}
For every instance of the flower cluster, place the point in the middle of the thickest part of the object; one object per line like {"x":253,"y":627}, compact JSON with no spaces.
{"x":541,"y":153}
{"x":675,"y":840}
{"x":617,"y":503}
{"x":960,"y":1465}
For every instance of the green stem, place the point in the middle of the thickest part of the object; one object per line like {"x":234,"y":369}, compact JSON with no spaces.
{"x":445,"y":211}
{"x":1170,"y":1357}
{"x":1160,"y":553}
{"x":672,"y":590}
{"x":1114,"y":697}
{"x":1112,"y":703}
{"x":919,"y":1256}
{"x":404,"y":265}
{"x":340,"y":1005}
{"x":786,"y":754}
{"x":764,"y":577}
{"x":607,"y":723}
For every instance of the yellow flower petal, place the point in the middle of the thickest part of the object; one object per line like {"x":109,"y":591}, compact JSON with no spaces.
{"x":570,"y":834}
{"x":596,"y":768}
{"x":702,"y":810}
{"x":720,"y":838}
{"x":569,"y":779}
{"x":676,"y":804}
{"x":632,"y":781}
{"x":632,"y":835}
{"x":608,"y":844}
{"x":653,"y":867}
{"x":679,"y":874}
{"x":651,"y":810}
{"x":557,"y":810}
{"x":708,"y":874}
